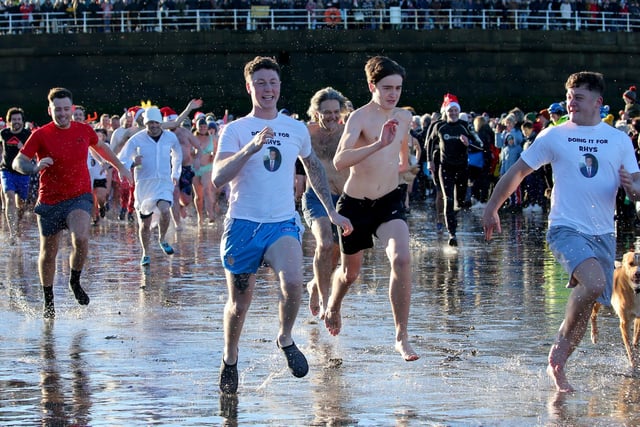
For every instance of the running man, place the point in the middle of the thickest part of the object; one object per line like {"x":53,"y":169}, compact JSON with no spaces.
{"x":65,"y":199}
{"x":261,"y":224}
{"x":581,"y":226}
{"x":374,"y":146}
{"x":327,"y":110}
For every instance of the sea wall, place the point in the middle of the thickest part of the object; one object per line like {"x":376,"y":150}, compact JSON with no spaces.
{"x":488,"y":70}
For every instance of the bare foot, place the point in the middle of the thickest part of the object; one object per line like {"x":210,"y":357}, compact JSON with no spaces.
{"x":407,"y":352}
{"x":314,"y":298}
{"x":333,"y":321}
{"x":560,"y":379}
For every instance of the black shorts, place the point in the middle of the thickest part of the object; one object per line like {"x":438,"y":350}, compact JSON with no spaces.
{"x":366,"y":216}
{"x":186,"y":179}
{"x":53,"y":218}
{"x":100,"y":183}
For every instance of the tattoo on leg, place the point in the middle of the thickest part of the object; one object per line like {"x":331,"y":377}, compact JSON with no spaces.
{"x":241,"y":281}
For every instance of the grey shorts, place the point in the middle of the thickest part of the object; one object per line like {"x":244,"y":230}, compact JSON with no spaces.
{"x":571,"y":248}
{"x":53,"y":218}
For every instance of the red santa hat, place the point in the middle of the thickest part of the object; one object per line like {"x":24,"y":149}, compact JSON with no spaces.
{"x":168,"y":114}
{"x":135,"y":111}
{"x":450,"y":100}
{"x":199,"y":115}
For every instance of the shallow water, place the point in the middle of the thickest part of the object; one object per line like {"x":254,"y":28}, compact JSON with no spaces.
{"x":146,"y":351}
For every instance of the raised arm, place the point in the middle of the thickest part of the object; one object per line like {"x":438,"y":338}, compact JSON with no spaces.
{"x":226,"y":165}
{"x":349,"y":154}
{"x":192,"y":105}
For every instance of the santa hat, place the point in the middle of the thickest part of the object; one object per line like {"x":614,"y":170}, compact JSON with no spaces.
{"x":168,"y":114}
{"x":199,"y":115}
{"x":631,"y":93}
{"x":450,"y":100}
{"x":135,"y":111}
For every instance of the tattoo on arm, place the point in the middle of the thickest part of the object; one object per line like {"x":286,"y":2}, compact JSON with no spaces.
{"x":318,"y":178}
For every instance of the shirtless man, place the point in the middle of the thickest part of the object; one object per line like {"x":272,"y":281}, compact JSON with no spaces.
{"x":326,"y":110}
{"x":374,"y":146}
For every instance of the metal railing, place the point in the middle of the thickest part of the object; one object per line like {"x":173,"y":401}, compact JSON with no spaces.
{"x":264,"y":17}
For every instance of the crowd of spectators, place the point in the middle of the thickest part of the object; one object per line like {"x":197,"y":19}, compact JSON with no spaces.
{"x":106,"y":15}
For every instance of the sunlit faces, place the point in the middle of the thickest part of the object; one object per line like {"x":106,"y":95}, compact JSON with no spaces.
{"x":78,"y":115}
{"x":264,"y":88}
{"x":583,"y":106}
{"x":60,"y":110}
{"x":386,"y":92}
{"x":329,"y":114}
{"x":16,"y":122}
{"x":154,"y":129}
{"x":453,"y":113}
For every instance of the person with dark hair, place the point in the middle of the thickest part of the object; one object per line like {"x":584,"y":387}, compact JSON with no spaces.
{"x":262,"y":225}
{"x":374,"y":147}
{"x":581,"y":225}
{"x":15,"y":185}
{"x":65,"y":198}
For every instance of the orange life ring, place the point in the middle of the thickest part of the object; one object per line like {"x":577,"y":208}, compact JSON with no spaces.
{"x":332,"y":16}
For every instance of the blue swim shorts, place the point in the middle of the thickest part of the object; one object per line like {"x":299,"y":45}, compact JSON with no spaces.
{"x":15,"y":182}
{"x":312,"y":207}
{"x":53,"y":218}
{"x":571,"y":248}
{"x":244,"y":242}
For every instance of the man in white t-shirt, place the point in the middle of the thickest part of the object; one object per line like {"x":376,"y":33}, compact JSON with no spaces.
{"x":257,"y":156}
{"x":581,"y":225}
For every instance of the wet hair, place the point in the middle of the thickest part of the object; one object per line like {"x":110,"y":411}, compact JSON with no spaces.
{"x":59,"y":93}
{"x":326,"y":94}
{"x":202,"y":121}
{"x":12,"y":111}
{"x":101,"y":130}
{"x":593,"y":81}
{"x":379,"y":67}
{"x":260,"y":63}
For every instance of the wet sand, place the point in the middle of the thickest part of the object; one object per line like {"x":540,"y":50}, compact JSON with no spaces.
{"x":147,"y":350}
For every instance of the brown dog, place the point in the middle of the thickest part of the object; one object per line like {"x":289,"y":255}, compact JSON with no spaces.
{"x":626,"y":303}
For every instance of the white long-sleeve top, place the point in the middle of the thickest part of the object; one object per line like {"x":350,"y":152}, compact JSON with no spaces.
{"x":161,"y":164}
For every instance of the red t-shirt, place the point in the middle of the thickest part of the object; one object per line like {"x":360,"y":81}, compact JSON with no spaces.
{"x":68,"y":176}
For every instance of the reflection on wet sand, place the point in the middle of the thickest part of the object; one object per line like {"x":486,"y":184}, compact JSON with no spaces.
{"x":146,"y":350}
{"x":58,"y":409}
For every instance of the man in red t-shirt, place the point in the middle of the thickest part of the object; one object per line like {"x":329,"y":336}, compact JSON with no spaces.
{"x":65,"y":197}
